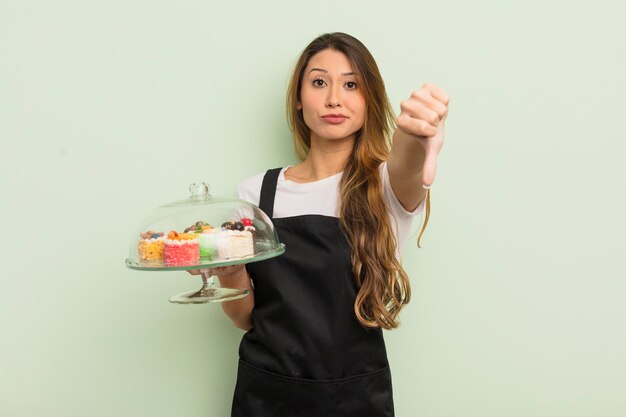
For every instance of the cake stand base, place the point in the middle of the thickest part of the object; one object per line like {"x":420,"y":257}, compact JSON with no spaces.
{"x":209,"y":293}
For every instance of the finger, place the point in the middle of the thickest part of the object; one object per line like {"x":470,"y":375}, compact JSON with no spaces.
{"x":437,"y":93}
{"x":430,"y":169}
{"x":222,"y":271}
{"x":219,"y":271}
{"x":426,"y":98}
{"x":194,"y":271}
{"x":419,"y":111}
{"x":415,"y":127}
{"x":430,"y":162}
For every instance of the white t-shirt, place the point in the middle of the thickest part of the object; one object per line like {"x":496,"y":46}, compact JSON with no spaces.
{"x":322,"y":197}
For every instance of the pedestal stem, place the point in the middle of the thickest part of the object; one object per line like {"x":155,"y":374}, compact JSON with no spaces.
{"x":208,"y":279}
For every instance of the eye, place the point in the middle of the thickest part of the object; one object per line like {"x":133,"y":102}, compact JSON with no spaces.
{"x":351,"y":85}
{"x":318,"y":82}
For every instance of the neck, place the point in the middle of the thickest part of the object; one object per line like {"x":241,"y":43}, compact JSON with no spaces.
{"x":325,"y":158}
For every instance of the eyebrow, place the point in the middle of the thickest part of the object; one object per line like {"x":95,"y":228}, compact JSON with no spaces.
{"x":325,"y":71}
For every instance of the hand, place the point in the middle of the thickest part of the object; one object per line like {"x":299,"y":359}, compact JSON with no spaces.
{"x":221,"y":271}
{"x":422,"y":117}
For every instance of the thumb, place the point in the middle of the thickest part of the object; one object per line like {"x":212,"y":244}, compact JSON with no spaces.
{"x":432,"y":146}
{"x":429,"y":170}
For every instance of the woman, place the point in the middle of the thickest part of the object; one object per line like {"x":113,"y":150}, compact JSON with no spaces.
{"x":314,"y":344}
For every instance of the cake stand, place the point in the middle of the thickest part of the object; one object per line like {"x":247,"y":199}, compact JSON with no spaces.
{"x":225,"y":219}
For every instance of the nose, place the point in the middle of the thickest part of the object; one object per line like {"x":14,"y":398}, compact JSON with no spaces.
{"x":333,"y":98}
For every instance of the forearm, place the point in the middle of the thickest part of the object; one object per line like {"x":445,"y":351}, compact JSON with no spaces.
{"x":417,"y":141}
{"x":406,"y":170}
{"x":240,"y":310}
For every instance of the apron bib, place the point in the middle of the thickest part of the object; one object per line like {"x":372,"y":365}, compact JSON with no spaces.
{"x":307,"y":354}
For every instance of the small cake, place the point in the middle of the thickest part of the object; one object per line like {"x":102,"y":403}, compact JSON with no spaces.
{"x":234,"y":241}
{"x":181,"y":249}
{"x":150,"y":246}
{"x":208,"y":243}
{"x":207,"y":239}
{"x":198,"y":227}
{"x":248,"y":226}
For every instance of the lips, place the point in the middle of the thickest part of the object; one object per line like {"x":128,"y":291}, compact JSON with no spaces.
{"x":334,"y":118}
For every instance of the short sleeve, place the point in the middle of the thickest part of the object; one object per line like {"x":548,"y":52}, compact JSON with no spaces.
{"x":250,"y":189}
{"x":392,"y":200}
{"x":399,"y":216}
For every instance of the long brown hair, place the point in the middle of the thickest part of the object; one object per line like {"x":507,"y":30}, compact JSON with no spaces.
{"x":383,"y":285}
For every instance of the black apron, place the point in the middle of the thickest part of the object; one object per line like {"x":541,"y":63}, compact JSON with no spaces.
{"x":307,"y":354}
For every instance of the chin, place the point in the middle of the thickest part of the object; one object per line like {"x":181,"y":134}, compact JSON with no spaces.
{"x":335,"y":136}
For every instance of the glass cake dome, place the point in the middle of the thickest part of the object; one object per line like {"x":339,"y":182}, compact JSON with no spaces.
{"x":203,"y":233}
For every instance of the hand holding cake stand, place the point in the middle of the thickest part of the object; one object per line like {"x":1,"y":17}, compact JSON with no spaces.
{"x":205,"y":234}
{"x":209,"y":291}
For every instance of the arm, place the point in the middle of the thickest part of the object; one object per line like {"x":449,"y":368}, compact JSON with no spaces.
{"x":417,"y":141}
{"x":240,"y":310}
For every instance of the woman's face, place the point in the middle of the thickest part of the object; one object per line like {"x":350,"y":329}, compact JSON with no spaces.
{"x":332,"y":103}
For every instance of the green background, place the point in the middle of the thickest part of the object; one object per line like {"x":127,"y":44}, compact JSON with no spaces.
{"x":111,"y":108}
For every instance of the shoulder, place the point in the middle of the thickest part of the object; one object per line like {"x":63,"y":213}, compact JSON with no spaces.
{"x":250,"y":189}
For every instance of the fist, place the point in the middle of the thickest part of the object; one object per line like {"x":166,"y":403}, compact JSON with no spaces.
{"x":424,"y":113}
{"x":422,"y":118}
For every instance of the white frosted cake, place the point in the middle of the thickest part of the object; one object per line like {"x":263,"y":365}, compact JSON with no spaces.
{"x":235,"y":244}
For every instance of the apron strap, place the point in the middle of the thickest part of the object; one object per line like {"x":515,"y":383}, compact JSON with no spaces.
{"x":268,"y":191}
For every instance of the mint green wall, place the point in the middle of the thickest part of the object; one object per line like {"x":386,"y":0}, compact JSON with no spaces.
{"x":110,"y":108}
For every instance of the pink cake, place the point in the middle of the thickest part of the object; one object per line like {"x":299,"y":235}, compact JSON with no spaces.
{"x":181,"y":249}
